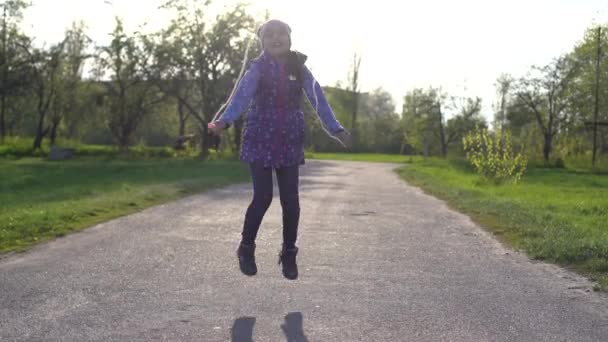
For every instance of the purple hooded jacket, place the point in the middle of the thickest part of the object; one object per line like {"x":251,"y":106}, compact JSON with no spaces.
{"x":274,"y":128}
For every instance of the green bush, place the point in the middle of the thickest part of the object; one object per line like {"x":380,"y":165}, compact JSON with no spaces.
{"x":17,"y":147}
{"x":492,"y":157}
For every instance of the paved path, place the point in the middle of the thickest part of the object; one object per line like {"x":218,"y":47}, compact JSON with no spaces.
{"x":380,"y":261}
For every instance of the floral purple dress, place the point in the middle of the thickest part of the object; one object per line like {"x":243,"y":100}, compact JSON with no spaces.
{"x":274,"y":128}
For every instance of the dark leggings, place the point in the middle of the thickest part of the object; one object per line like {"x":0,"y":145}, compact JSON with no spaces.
{"x":288,"y":179}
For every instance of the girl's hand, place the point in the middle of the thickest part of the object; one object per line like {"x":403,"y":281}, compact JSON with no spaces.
{"x":216,"y":127}
{"x":345,"y":139}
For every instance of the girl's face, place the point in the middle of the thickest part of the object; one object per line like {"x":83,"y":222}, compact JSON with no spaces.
{"x":276,"y":39}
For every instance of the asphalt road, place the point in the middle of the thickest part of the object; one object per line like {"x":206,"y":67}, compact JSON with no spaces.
{"x":379,"y":261}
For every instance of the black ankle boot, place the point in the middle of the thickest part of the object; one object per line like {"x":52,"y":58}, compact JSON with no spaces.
{"x":287,"y":258}
{"x":246,"y":255}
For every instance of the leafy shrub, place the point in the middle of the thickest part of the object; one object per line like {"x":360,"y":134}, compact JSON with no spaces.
{"x":492,"y":157}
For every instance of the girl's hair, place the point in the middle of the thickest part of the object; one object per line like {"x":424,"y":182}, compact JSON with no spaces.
{"x":295,"y":63}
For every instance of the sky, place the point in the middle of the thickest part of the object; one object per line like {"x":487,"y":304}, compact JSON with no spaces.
{"x":461,"y":46}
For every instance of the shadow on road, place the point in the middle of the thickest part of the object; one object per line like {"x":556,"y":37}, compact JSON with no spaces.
{"x":293,"y":328}
{"x":242,"y":329}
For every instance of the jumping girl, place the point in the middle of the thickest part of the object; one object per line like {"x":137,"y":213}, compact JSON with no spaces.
{"x":273,"y":138}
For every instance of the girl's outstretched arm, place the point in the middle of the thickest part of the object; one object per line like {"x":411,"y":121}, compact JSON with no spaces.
{"x":315,"y":95}
{"x":244,"y":94}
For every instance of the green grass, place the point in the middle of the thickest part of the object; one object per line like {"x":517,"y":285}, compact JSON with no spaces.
{"x":20,"y":147}
{"x":41,"y":200}
{"x":369,"y":157}
{"x":556,"y":215}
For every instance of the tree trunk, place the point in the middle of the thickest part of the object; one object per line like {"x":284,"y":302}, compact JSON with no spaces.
{"x":182,"y":128}
{"x":547,"y":147}
{"x":123,"y":142}
{"x":597,"y":94}
{"x":444,"y":144}
{"x":4,"y":77}
{"x":354,"y":133}
{"x":2,"y":117}
{"x":427,"y":140}
{"x":40,"y":133}
{"x":182,"y":118}
{"x":38,"y":141}
{"x":53,"y":135}
{"x":205,"y":141}
{"x":444,"y":149}
{"x":72,"y":130}
{"x":402,"y":149}
{"x":354,"y":80}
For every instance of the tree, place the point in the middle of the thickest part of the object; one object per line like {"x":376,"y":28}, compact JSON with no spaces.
{"x":69,"y":79}
{"x":545,"y":92}
{"x":131,"y":95}
{"x":416,"y":119}
{"x":503,"y":91}
{"x":379,"y":129}
{"x":438,"y":113}
{"x":429,"y":107}
{"x":423,"y":120}
{"x":204,"y":54}
{"x":45,"y":66}
{"x":13,"y":59}
{"x":378,"y":103}
{"x":518,"y":116}
{"x":353,"y":87}
{"x":168,"y":74}
{"x":67,"y":105}
{"x":588,"y":93}
{"x":340,"y":102}
{"x":427,"y":127}
{"x":467,"y":119}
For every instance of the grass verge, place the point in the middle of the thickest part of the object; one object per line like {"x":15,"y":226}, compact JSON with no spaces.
{"x":368,"y":157}
{"x":555,"y":215}
{"x":41,"y":200}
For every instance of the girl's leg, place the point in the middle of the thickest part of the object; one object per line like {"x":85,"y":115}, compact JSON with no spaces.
{"x":289,"y":179}
{"x":262,"y":197}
